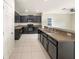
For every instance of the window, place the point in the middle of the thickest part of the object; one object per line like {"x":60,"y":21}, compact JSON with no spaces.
{"x":49,"y":22}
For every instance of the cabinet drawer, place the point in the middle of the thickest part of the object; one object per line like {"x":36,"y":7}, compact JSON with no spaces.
{"x":52,"y":40}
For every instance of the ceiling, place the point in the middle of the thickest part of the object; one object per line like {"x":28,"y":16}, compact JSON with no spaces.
{"x":40,"y":6}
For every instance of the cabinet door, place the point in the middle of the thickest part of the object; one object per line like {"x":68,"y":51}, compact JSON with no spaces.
{"x":17,"y":34}
{"x":41,"y":39}
{"x":21,"y":18}
{"x":38,"y":19}
{"x":25,"y":18}
{"x":30,"y":18}
{"x":45,"y":42}
{"x":39,"y":35}
{"x":34,"y":18}
{"x":52,"y":50}
{"x":17,"y":19}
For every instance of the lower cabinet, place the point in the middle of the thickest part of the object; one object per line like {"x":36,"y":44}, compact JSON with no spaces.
{"x":52,"y":50}
{"x":45,"y":42}
{"x":41,"y":39}
{"x":48,"y":44}
{"x":56,"y":49}
{"x":24,"y":30}
{"x":29,"y":30}
{"x":18,"y":33}
{"x":39,"y":35}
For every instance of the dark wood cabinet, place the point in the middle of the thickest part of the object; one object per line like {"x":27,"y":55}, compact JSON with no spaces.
{"x":42,"y":39}
{"x":24,"y":30}
{"x":17,"y":17}
{"x":29,"y":30}
{"x":38,"y":19}
{"x":39,"y":35}
{"x":49,"y":44}
{"x":56,"y":49}
{"x":30,"y":18}
{"x":52,"y":48}
{"x":18,"y":33}
{"x":23,"y":19}
{"x":45,"y":42}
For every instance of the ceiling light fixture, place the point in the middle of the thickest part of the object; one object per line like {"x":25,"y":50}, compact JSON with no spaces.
{"x":45,"y":0}
{"x":37,"y":10}
{"x":26,"y":10}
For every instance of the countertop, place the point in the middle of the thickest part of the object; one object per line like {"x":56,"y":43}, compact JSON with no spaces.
{"x":65,"y":30}
{"x":18,"y":27}
{"x":58,"y":36}
{"x":25,"y":24}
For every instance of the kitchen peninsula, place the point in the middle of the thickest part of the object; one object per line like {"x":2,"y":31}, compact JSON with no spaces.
{"x":58,"y":44}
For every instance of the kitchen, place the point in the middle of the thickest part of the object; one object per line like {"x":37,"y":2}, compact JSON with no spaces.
{"x":43,"y":29}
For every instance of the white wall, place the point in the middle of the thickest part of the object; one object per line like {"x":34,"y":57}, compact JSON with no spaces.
{"x":64,"y":21}
{"x":8,"y":42}
{"x":73,"y":21}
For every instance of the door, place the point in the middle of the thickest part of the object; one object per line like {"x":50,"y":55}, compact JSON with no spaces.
{"x":8,"y":28}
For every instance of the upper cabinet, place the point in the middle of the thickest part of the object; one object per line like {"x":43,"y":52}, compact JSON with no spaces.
{"x":17,"y":18}
{"x":29,"y":18}
{"x":23,"y":19}
{"x":37,"y":19}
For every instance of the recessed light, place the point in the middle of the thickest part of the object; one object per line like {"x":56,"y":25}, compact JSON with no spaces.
{"x":37,"y":10}
{"x":45,"y":0}
{"x":26,"y":10}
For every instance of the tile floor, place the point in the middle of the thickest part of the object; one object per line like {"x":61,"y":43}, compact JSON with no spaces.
{"x":28,"y":47}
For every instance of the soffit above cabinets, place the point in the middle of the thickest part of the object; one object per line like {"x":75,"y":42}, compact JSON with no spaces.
{"x":40,"y":6}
